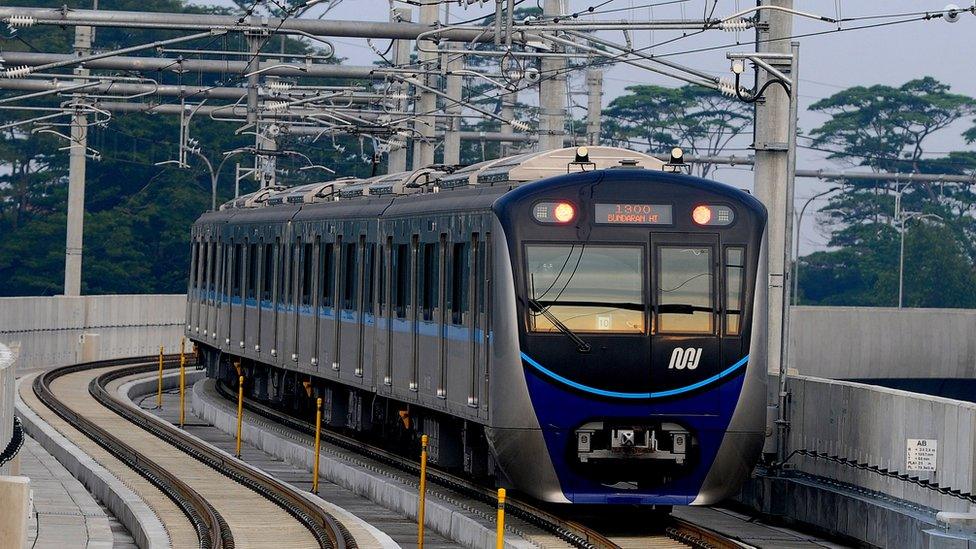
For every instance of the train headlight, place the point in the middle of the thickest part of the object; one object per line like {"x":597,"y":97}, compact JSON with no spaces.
{"x":554,"y":212}
{"x":712,"y":215}
{"x":564,"y":212}
{"x":701,"y":215}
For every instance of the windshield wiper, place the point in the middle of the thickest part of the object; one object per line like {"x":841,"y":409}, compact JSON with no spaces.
{"x":581,"y":345}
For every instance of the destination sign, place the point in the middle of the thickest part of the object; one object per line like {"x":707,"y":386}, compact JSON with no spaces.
{"x":632,"y":214}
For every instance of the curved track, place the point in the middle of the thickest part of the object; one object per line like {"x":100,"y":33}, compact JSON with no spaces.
{"x":672,"y":533}
{"x":249,"y":510}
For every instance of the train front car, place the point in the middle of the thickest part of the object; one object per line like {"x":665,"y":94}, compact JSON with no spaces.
{"x":624,"y":345}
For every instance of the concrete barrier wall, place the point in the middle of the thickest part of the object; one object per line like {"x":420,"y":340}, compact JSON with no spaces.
{"x":880,"y":342}
{"x":7,"y":382}
{"x":872,"y":425}
{"x":56,"y":331}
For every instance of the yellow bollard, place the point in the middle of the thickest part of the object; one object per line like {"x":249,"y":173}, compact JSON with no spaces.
{"x":159,"y":384}
{"x":318,"y":441}
{"x":182,"y":386}
{"x":422,"y":492}
{"x":240,"y":412}
{"x":500,"y":528}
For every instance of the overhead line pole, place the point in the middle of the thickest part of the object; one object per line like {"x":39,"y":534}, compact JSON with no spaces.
{"x":594,"y":105}
{"x":75,"y":230}
{"x":426,"y":104}
{"x":552,"y":91}
{"x":397,"y":159}
{"x":774,"y":161}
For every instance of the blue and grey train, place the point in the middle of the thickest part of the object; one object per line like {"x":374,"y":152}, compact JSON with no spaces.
{"x":576,"y":324}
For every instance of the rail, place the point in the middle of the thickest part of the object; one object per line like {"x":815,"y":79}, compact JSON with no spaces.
{"x":212,"y":530}
{"x":570,"y":531}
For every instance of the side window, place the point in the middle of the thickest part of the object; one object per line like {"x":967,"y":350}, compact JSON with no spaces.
{"x":235,"y":272}
{"x":327,"y":266}
{"x":384,"y":261}
{"x":401,"y":280}
{"x":212,"y":267}
{"x":369,"y":276}
{"x":267,"y":274}
{"x":307,"y":275}
{"x":685,"y":290}
{"x":734,"y":278}
{"x":430,"y":267}
{"x":194,"y":251}
{"x":349,"y":281}
{"x":252,"y":271}
{"x":459,"y":282}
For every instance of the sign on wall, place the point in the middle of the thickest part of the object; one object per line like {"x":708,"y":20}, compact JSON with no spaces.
{"x":921,"y":454}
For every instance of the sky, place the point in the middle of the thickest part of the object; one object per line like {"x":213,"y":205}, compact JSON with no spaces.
{"x":829,"y":60}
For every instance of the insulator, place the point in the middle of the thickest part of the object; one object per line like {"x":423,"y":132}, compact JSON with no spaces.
{"x":735,"y":25}
{"x":21,"y":21}
{"x":276,"y":105}
{"x":17,"y":72}
{"x":520,"y":126}
{"x":277,"y":86}
{"x":726,"y":86}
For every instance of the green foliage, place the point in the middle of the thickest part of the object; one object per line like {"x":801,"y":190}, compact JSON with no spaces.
{"x":656,"y":118}
{"x":886,"y":128}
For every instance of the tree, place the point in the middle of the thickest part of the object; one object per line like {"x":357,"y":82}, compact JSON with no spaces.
{"x":886,"y":128}
{"x":702,"y":121}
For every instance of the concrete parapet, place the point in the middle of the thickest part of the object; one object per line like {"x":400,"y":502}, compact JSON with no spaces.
{"x":883,"y":342}
{"x":15,"y":502}
{"x":7,"y":383}
{"x":57,"y":331}
{"x":876,"y":426}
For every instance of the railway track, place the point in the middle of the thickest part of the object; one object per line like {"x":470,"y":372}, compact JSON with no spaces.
{"x":225,"y":503}
{"x":673,"y":533}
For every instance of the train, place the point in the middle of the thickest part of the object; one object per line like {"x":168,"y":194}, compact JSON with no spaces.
{"x":576,"y":324}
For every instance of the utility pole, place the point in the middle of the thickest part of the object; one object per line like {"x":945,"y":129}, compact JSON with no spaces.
{"x":594,"y":105}
{"x":452,"y":133}
{"x":426,"y":104}
{"x":74,"y":239}
{"x":552,"y":91}
{"x":264,"y":165}
{"x":507,"y":112}
{"x":774,"y":166}
{"x":397,"y":158}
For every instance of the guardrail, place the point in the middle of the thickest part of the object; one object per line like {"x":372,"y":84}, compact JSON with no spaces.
{"x":57,"y":331}
{"x":7,"y":383}
{"x":909,"y":446}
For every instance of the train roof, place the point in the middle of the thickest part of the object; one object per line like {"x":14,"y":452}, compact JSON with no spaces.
{"x":509,"y":172}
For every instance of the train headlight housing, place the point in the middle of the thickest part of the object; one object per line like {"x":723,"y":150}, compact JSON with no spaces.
{"x":556,"y":213}
{"x":712,"y":215}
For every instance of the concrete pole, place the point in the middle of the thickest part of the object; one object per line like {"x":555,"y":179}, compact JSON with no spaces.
{"x":552,"y":92}
{"x":594,"y":105}
{"x":771,"y":187}
{"x":397,"y":159}
{"x":426,"y":104}
{"x":452,"y":134}
{"x":509,"y":100}
{"x":74,"y":240}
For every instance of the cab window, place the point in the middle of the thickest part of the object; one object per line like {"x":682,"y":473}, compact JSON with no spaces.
{"x":685,"y":302}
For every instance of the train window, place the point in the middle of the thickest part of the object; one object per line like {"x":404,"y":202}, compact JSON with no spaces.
{"x":267,"y":274}
{"x":252,"y":271}
{"x":429,"y":280}
{"x":211,"y":266}
{"x":307,"y":275}
{"x":349,"y":265}
{"x":384,"y":262}
{"x":235,"y":280}
{"x":459,"y":282}
{"x":369,"y":280}
{"x":193,"y":265}
{"x":734,"y":271}
{"x":587,"y":288}
{"x":284,"y":253}
{"x":481,"y":270}
{"x":327,"y":263}
{"x":401,"y":280}
{"x":685,"y":299}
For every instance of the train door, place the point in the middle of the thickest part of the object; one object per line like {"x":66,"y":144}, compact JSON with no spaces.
{"x":403,"y":301}
{"x":367,"y":332}
{"x":230,"y":289}
{"x":285,"y":317}
{"x":427,"y":327}
{"x":270,"y":276}
{"x":327,"y":316}
{"x":305,"y":328}
{"x":733,"y":286}
{"x":684,"y":289}
{"x":251,"y":336}
{"x":383,"y":356}
{"x":350,"y":335}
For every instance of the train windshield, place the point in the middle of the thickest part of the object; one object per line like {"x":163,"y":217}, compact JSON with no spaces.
{"x":586,"y":288}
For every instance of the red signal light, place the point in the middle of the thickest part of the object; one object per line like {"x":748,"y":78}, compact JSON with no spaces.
{"x":701,"y":215}
{"x":564,"y":212}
